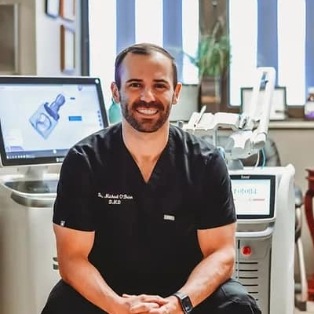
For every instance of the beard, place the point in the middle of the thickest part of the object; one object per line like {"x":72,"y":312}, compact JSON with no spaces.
{"x":142,"y":124}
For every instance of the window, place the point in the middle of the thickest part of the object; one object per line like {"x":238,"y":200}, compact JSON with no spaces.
{"x":243,"y":47}
{"x":264,"y":37}
{"x":291,"y":38}
{"x":273,"y":33}
{"x":157,"y":21}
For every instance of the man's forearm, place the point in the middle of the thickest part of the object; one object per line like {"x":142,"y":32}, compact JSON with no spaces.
{"x":208,"y":275}
{"x":86,"y":279}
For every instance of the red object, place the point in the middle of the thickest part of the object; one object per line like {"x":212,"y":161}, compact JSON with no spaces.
{"x":310,"y":283}
{"x":308,"y":204}
{"x":246,"y":250}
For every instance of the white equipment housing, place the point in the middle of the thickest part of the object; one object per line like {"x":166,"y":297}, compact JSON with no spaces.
{"x":28,"y":262}
{"x":250,"y":128}
{"x":264,"y":199}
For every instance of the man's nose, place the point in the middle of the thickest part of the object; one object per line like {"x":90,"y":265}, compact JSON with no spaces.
{"x":147,"y":95}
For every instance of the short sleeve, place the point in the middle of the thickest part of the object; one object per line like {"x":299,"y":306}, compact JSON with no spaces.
{"x":73,"y":206}
{"x":217,"y":204}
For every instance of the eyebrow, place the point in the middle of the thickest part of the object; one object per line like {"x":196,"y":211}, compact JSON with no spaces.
{"x":155,"y":80}
{"x":133,"y":80}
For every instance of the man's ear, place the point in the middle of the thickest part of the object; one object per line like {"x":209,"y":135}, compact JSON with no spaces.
{"x":176,"y":93}
{"x":115,"y":92}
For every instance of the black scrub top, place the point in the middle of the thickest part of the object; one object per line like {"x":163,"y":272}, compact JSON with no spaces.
{"x":145,"y":232}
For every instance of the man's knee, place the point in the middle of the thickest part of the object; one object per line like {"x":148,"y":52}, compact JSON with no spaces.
{"x":229,"y":298}
{"x":237,"y":300}
{"x":63,"y":299}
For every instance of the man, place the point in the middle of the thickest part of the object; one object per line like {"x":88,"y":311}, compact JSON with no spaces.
{"x":144,"y":216}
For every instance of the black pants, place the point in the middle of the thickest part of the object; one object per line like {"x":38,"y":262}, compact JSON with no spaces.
{"x":229,"y":298}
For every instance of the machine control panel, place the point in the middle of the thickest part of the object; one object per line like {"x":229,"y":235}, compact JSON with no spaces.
{"x":254,"y":195}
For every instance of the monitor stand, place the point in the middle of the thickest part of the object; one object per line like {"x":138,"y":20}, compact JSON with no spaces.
{"x":34,"y":181}
{"x":34,"y":173}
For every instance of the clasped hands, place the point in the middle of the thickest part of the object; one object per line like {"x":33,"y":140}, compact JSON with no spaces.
{"x":151,"y":304}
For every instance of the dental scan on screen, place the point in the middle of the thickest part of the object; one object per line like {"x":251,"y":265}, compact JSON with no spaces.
{"x":44,"y":117}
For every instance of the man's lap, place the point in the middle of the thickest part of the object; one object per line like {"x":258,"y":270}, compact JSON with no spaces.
{"x":229,"y":298}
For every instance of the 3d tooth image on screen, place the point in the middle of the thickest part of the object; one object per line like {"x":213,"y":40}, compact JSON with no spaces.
{"x":46,"y":117}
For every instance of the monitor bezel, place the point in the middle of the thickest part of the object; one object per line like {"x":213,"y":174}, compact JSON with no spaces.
{"x":272,"y":179}
{"x":40,"y":80}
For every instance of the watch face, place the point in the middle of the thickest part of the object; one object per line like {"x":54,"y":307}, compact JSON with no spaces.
{"x":186,"y":304}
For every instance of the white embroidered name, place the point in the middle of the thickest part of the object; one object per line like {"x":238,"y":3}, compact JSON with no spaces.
{"x":115,"y":199}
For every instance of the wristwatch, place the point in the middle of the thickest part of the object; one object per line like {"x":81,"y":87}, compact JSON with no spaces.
{"x":185,"y":302}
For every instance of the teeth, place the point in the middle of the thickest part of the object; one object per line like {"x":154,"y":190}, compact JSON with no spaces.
{"x":147,"y":111}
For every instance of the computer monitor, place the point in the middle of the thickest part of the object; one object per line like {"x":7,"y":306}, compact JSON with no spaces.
{"x":41,"y":118}
{"x":254,"y":196}
{"x":187,"y":103}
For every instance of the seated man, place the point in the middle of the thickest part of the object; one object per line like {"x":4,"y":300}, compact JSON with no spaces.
{"x":144,"y":217}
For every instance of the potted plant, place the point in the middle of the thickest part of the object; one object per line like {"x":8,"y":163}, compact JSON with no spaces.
{"x":212,"y":59}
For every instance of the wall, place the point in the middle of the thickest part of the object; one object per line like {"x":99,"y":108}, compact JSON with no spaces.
{"x":295,"y":146}
{"x":39,"y":39}
{"x":48,"y":50}
{"x":25,"y":25}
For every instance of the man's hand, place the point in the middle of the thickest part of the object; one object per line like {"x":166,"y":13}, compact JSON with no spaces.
{"x":153,"y":304}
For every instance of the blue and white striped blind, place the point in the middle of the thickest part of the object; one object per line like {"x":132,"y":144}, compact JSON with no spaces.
{"x":278,"y":33}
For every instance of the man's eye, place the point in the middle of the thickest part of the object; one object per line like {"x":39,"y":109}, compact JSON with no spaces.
{"x":160,"y":86}
{"x":135,"y":85}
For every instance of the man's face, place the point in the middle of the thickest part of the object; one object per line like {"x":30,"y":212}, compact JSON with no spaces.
{"x":147,"y":92}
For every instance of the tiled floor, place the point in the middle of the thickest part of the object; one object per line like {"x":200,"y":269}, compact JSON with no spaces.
{"x":310,"y":309}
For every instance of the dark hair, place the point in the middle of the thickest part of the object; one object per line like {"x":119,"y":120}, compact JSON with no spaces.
{"x":143,"y":49}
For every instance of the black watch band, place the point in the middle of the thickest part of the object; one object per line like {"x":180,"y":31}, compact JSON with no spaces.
{"x":185,"y":302}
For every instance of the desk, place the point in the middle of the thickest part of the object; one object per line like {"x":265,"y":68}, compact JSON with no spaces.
{"x":293,"y":124}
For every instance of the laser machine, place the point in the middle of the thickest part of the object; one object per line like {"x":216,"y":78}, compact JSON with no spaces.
{"x":40,"y":119}
{"x":264,"y":199}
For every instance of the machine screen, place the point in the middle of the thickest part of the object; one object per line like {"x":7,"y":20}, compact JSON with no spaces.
{"x":253,"y":195}
{"x":41,"y":118}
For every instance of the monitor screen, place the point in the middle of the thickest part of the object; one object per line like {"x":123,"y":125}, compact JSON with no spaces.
{"x":42,"y":117}
{"x":254,"y":195}
{"x":187,"y":103}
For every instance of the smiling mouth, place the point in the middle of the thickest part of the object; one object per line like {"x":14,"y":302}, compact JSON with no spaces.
{"x":147,"y":111}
